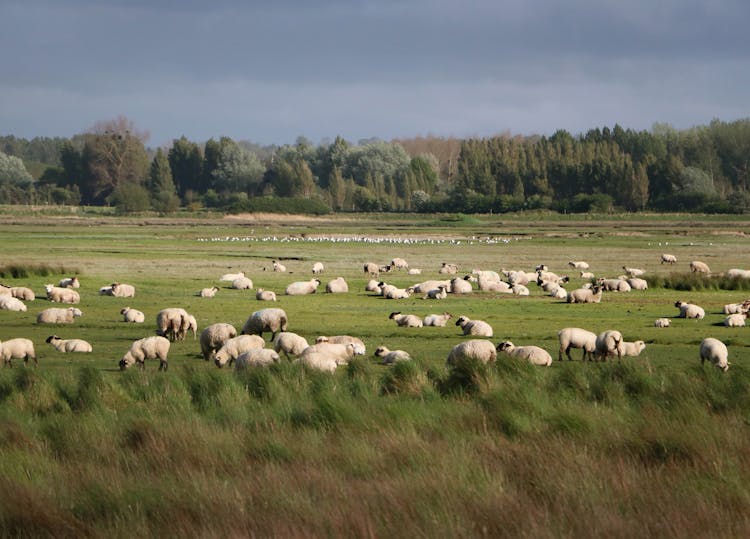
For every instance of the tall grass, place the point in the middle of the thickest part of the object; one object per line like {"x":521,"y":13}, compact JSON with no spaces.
{"x":19,"y":270}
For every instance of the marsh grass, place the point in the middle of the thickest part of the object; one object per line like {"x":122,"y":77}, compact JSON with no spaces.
{"x":24,"y":270}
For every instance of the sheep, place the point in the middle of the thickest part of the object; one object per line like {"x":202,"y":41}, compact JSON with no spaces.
{"x":688,"y":310}
{"x":173,"y":323}
{"x":208,"y":292}
{"x":318,"y":361}
{"x":579,"y":265}
{"x":340,"y":353}
{"x":519,"y":277}
{"x":5,"y":290}
{"x":289,"y":343}
{"x":459,"y":285}
{"x":236,"y":346}
{"x":231,"y":276}
{"x":122,"y":290}
{"x":490,"y":285}
{"x":300,"y":288}
{"x":608,"y":343}
{"x":406,"y":320}
{"x":548,"y":276}
{"x":265,"y":295}
{"x":541,"y":267}
{"x":440,"y":292}
{"x":317,"y":268}
{"x":17,"y":349}
{"x":632,"y":348}
{"x":716,"y":352}
{"x":576,"y":338}
{"x":69,"y":282}
{"x":371,"y":269}
{"x":426,"y":286}
{"x":278,"y":267}
{"x":393,"y":292}
{"x":734,"y":308}
{"x":105,"y":290}
{"x":662,"y":322}
{"x":559,"y":293}
{"x":634,"y":272}
{"x":337,"y":286}
{"x":448,"y":269}
{"x":736,"y":273}
{"x":533,"y":354}
{"x":479,"y":349}
{"x":389,"y":357}
{"x":487,"y":275}
{"x":636,"y":283}
{"x":399,"y":263}
{"x":616,"y":285}
{"x":359,"y":346}
{"x":58,"y":316}
{"x":372,"y":286}
{"x":242,"y":283}
{"x":479,"y":328}
{"x":696,"y":266}
{"x":61,"y":295}
{"x":414,"y":271}
{"x":9,"y":303}
{"x":259,"y":357}
{"x":21,"y":292}
{"x":587,"y":275}
{"x":585,"y":295}
{"x":155,"y":347}
{"x":735,"y":320}
{"x":259,"y":322}
{"x":69,"y":345}
{"x":520,"y":290}
{"x":668,"y":259}
{"x":214,"y":336}
{"x":132,"y":315}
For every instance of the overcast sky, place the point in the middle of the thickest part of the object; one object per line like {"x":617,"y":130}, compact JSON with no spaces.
{"x":272,"y":70}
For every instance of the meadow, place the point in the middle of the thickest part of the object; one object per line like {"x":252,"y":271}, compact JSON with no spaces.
{"x":655,"y":445}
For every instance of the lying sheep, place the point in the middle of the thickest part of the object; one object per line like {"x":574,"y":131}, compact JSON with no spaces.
{"x":264,"y":320}
{"x":69,"y":282}
{"x":121,"y":290}
{"x":301,"y":288}
{"x":576,"y":338}
{"x":487,"y":275}
{"x":318,"y":268}
{"x":440,"y":292}
{"x":587,"y":275}
{"x":533,"y":354}
{"x":406,"y":320}
{"x":608,"y":343}
{"x":735,"y":273}
{"x":632,"y":348}
{"x":17,"y":349}
{"x":132,"y":315}
{"x":235,"y":347}
{"x":735,"y":320}
{"x":580,"y":265}
{"x":265,"y":295}
{"x":359,"y":346}
{"x":479,"y":328}
{"x":634,"y":272}
{"x":662,"y":322}
{"x":615,"y":285}
{"x":668,"y":259}
{"x":242,"y":283}
{"x":231,"y":276}
{"x":9,"y":303}
{"x":735,"y":308}
{"x":520,"y":290}
{"x":688,"y":310}
{"x":716,"y":352}
{"x":58,"y":316}
{"x":389,"y":291}
{"x":372,"y":286}
{"x":389,"y":357}
{"x":337,"y":286}
{"x":340,"y":353}
{"x":69,"y":345}
{"x":317,"y":361}
{"x":478,"y":349}
{"x":213,"y":338}
{"x":259,"y":357}
{"x":105,"y":290}
{"x":559,"y":293}
{"x":448,"y":269}
{"x":426,"y":286}
{"x":636,"y":283}
{"x":490,"y":285}
{"x":458,"y":285}
{"x":208,"y":292}
{"x":21,"y":292}
{"x":289,"y":343}
{"x":696,"y":266}
{"x":61,"y":295}
{"x":437,"y":320}
{"x":147,"y":348}
{"x":278,"y":267}
{"x":585,"y":295}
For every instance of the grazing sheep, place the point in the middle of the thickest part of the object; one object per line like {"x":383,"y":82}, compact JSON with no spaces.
{"x":208,"y":292}
{"x":632,"y":348}
{"x":132,"y":315}
{"x":17,"y":349}
{"x":61,"y":295}
{"x":58,"y":316}
{"x":479,"y":349}
{"x":580,"y":265}
{"x":371,"y":269}
{"x":259,"y":322}
{"x":290,"y":343}
{"x":735,"y":320}
{"x":121,"y":290}
{"x":587,"y":275}
{"x":633,"y":272}
{"x":733,"y":273}
{"x":448,"y":269}
{"x":372,"y":286}
{"x":69,"y":345}
{"x":668,"y":259}
{"x":359,"y":346}
{"x":696,"y":266}
{"x":458,"y":285}
{"x":533,"y":354}
{"x":576,"y":338}
{"x":406,"y":320}
{"x":265,"y":295}
{"x":440,"y":292}
{"x":716,"y":352}
{"x":21,"y":292}
{"x":301,"y":288}
{"x":213,"y":338}
{"x":9,"y":303}
{"x":399,"y":263}
{"x":147,"y":348}
{"x":317,"y":268}
{"x":258,"y":357}
{"x":340,"y":353}
{"x":337,"y":286}
{"x":69,"y":282}
{"x":242,"y":283}
{"x":585,"y":295}
{"x":231,"y":276}
{"x":688,"y":310}
{"x":662,"y":322}
{"x":389,"y":357}
{"x":236,"y":346}
{"x":173,"y":323}
{"x":278,"y":267}
{"x":608,"y":343}
{"x":479,"y":328}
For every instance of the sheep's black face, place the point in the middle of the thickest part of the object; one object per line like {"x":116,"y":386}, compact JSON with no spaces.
{"x":123,"y":365}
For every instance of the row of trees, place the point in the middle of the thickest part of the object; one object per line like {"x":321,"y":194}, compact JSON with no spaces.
{"x":705,"y":168}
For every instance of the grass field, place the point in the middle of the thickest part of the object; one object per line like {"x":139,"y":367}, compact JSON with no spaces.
{"x":655,"y":445}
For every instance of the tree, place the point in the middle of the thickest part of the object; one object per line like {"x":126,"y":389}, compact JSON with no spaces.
{"x":160,"y":184}
{"x":238,"y":171}
{"x":186,"y":163}
{"x":13,"y":171}
{"x":129,"y":198}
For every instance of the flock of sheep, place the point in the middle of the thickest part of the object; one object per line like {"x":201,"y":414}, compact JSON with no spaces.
{"x":224,"y":345}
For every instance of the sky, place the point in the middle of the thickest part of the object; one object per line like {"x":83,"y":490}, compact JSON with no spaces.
{"x":269,"y":71}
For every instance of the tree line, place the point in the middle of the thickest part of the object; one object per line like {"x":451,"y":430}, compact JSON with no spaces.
{"x":704,"y":169}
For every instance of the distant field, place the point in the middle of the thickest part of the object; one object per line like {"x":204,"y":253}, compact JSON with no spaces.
{"x":656,"y":444}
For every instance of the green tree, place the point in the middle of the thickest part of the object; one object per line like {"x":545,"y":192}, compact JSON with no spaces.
{"x":13,"y":171}
{"x":160,"y":184}
{"x":238,"y":171}
{"x":130,"y":197}
{"x":186,"y":163}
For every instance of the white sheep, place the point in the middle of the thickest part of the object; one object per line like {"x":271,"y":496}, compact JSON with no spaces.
{"x":340,"y":353}
{"x":608,"y":343}
{"x":22,"y":292}
{"x":289,"y":343}
{"x":132,"y":315}
{"x":371,"y":269}
{"x":440,"y":292}
{"x":488,"y":275}
{"x":317,"y":361}
{"x":459,"y":285}
{"x":5,"y":291}
{"x":61,"y":295}
{"x":616,"y":285}
{"x":490,"y":285}
{"x":533,"y":354}
{"x":558,"y":292}
{"x":122,"y":290}
{"x":585,"y":295}
{"x":479,"y":349}
{"x":231,"y":276}
{"x":688,"y":310}
{"x":17,"y":349}
{"x":265,"y":295}
{"x":448,"y":269}
{"x":69,"y":282}
{"x":579,"y":265}
{"x":520,"y":290}
{"x":716,"y":352}
{"x":406,"y":320}
{"x":576,"y":338}
{"x":662,"y":322}
{"x":258,"y":357}
{"x":278,"y":267}
{"x":735,"y":308}
{"x":9,"y":303}
{"x":668,"y":259}
{"x":389,"y":357}
{"x":69,"y":345}
{"x":632,"y":348}
{"x":214,"y":336}
{"x":155,"y":347}
{"x":264,"y":320}
{"x":317,"y":268}
{"x":372,"y":286}
{"x":637,"y":283}
{"x":426,"y":286}
{"x":236,"y":346}
{"x":173,"y":323}
{"x":414,"y":271}
{"x":735,"y":320}
{"x":399,"y":263}
{"x":479,"y":328}
{"x":58,"y":316}
{"x":634,"y":272}
{"x":242,"y":283}
{"x":437,"y":320}
{"x":337,"y":286}
{"x":736,"y":273}
{"x":208,"y":292}
{"x":390,"y":291}
{"x":301,"y":288}
{"x":587,"y":275}
{"x":696,"y":266}
{"x":359,"y":346}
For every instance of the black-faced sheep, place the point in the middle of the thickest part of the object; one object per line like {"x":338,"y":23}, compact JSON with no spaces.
{"x":533,"y":354}
{"x":69,"y":282}
{"x":668,"y":259}
{"x":688,"y":310}
{"x":479,"y":328}
{"x":696,"y":266}
{"x":389,"y":357}
{"x":318,"y":268}
{"x":406,"y":320}
{"x":278,"y":267}
{"x":579,"y":265}
{"x":399,"y":263}
{"x":69,"y":345}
